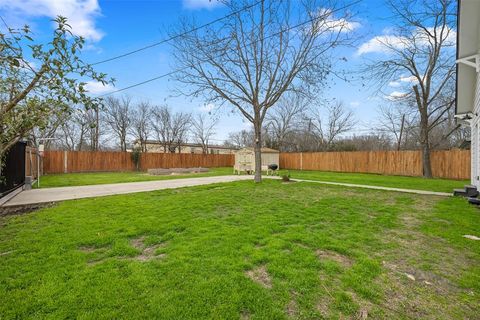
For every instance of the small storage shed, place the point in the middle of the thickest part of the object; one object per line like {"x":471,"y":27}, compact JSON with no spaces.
{"x":245,"y":159}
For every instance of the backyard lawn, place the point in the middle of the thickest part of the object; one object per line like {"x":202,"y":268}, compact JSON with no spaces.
{"x":418,"y":183}
{"x":91,"y":178}
{"x":244,"y":251}
{"x":80,"y":179}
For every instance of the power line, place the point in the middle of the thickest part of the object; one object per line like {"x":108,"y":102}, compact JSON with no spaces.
{"x":184,"y":68}
{"x":175,"y":36}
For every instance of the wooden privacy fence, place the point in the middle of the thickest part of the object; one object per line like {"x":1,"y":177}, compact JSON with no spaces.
{"x":87,"y":161}
{"x":451,"y":164}
{"x":32,"y":165}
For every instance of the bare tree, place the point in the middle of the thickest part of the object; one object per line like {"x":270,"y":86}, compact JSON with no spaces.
{"x":203,"y":130}
{"x":399,"y":121}
{"x":339,"y":121}
{"x":257,"y":54}
{"x":117,"y":117}
{"x":141,"y":123}
{"x":240,"y":139}
{"x":74,"y":129}
{"x":284,"y":118}
{"x":421,"y":47}
{"x":170,"y":128}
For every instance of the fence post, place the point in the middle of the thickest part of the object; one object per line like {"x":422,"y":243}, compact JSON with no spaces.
{"x":65,"y":161}
{"x":301,"y":160}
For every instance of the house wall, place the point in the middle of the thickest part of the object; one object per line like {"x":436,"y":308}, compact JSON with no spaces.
{"x":475,"y":132}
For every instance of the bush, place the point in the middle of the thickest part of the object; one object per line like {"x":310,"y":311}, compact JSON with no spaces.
{"x":136,"y":153}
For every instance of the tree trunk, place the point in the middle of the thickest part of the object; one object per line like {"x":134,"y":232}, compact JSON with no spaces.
{"x":258,"y":152}
{"x":425,"y":143}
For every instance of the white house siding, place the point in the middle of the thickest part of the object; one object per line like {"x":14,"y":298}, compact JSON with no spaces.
{"x":475,"y":151}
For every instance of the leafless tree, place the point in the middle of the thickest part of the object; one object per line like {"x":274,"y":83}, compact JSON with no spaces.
{"x":203,"y":130}
{"x":73,"y":130}
{"x":253,"y":57}
{"x":140,"y":117}
{"x":400,"y":121}
{"x":117,"y":117}
{"x":283,"y":120}
{"x":170,"y":128}
{"x":339,"y":120}
{"x":240,"y":139}
{"x":421,"y":47}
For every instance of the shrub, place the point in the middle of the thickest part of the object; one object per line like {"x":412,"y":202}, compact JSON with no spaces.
{"x":136,"y":153}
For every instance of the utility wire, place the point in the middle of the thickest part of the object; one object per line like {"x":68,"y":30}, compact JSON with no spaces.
{"x":175,"y":36}
{"x":184,"y":68}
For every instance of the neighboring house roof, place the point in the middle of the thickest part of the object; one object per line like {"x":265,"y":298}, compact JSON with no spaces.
{"x":264,"y":150}
{"x":196,"y":145}
{"x":468,"y":50}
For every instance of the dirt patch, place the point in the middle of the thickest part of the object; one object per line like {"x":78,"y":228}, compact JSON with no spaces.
{"x":147,"y":252}
{"x":88,"y":249}
{"x":260,"y":276}
{"x":245,"y":315}
{"x":292,"y":308}
{"x":323,"y":306}
{"x":24,"y":209}
{"x":334,"y":256}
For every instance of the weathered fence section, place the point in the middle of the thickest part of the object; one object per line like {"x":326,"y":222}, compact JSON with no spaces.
{"x":451,"y":164}
{"x":88,"y":161}
{"x":33,"y":163}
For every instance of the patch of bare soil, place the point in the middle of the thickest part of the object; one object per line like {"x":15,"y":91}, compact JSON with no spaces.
{"x":147,"y":252}
{"x":323,"y":306}
{"x":245,"y":315}
{"x":411,"y":290}
{"x":334,"y":256}
{"x":292,"y":308}
{"x":260,"y":276}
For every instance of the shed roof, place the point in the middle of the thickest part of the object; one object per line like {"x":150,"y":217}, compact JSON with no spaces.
{"x":263,"y":150}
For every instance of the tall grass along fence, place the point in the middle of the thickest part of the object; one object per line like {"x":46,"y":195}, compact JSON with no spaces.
{"x":86,"y":161}
{"x":450,"y":164}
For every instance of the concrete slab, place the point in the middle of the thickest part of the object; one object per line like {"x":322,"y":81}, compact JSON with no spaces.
{"x":46,"y":195}
{"x":424,"y":192}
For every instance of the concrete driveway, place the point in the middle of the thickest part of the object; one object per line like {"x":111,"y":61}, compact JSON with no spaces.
{"x":46,"y":195}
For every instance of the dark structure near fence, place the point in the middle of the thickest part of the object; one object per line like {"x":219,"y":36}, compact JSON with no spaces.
{"x":13,"y":172}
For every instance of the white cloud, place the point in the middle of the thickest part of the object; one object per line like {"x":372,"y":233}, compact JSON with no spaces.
{"x":394,"y":84}
{"x":81,"y":14}
{"x":328,"y":22}
{"x":396,"y":95}
{"x":410,"y":79}
{"x":403,"y":80}
{"x":96,"y":87}
{"x":354,"y":104}
{"x":386,"y":42}
{"x":381,"y":44}
{"x":208,"y":107}
{"x":201,"y":4}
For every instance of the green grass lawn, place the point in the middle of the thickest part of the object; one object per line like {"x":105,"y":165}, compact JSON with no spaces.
{"x":81,"y":179}
{"x":244,"y":251}
{"x":418,"y":183}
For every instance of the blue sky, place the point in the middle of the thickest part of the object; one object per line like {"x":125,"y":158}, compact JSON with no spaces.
{"x":114,"y":27}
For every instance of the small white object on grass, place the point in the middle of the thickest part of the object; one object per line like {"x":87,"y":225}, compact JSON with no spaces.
{"x":468,"y":236}
{"x":409,"y":276}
